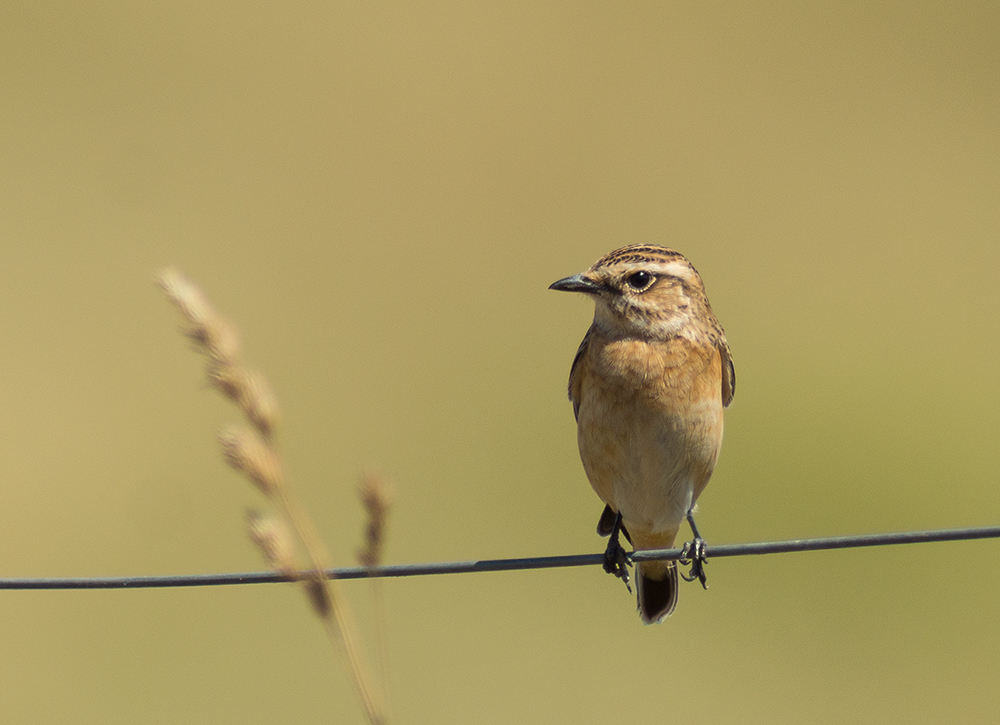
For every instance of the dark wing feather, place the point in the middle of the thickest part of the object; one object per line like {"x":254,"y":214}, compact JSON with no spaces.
{"x":728,"y":373}
{"x":574,"y":374}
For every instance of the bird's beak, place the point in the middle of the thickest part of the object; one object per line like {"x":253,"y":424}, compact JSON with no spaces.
{"x":576,"y":283}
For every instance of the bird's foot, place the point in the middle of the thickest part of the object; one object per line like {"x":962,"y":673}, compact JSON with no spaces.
{"x":616,"y":559}
{"x":695,"y":554}
{"x":616,"y":562}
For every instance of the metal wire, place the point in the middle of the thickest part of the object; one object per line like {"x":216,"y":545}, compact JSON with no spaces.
{"x":540,"y":562}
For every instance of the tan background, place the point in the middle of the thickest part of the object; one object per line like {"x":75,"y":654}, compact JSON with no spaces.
{"x":379,"y":195}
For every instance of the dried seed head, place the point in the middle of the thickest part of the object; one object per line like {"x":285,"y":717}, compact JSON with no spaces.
{"x":186,"y":295}
{"x":274,"y":541}
{"x":219,"y":340}
{"x":210,"y":332}
{"x":259,"y":403}
{"x":247,"y":453}
{"x":376,"y":496}
{"x":250,"y":391}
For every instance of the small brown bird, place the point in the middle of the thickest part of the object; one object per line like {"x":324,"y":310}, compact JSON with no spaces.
{"x":648,"y":386}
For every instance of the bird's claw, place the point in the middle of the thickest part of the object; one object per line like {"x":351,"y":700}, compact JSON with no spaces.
{"x":695,"y":554}
{"x":616,"y":562}
{"x":616,"y":559}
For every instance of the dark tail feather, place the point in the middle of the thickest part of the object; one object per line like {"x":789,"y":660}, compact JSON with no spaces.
{"x":656,"y":588}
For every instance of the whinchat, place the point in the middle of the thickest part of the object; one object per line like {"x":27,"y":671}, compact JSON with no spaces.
{"x":648,"y":387}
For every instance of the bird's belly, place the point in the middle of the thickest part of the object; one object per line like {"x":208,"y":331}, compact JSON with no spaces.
{"x":649,"y":462}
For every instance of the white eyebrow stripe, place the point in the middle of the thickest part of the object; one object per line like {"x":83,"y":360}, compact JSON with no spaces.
{"x":675,"y":269}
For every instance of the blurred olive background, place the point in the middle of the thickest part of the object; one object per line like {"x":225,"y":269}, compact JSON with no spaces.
{"x":379,"y":195}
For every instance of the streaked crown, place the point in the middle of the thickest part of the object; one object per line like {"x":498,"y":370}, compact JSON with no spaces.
{"x":646,"y":290}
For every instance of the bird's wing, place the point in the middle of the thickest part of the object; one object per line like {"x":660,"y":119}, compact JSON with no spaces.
{"x":576,"y":374}
{"x":728,"y":373}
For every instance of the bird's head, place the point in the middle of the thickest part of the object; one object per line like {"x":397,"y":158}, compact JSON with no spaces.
{"x":643,"y":290}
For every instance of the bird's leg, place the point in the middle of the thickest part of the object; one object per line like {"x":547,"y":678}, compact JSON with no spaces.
{"x":615,"y":557}
{"x":695,"y":553}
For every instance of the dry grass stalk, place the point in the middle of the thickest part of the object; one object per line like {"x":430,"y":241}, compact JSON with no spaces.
{"x":254,"y":455}
{"x":275,"y":542}
{"x":376,"y":496}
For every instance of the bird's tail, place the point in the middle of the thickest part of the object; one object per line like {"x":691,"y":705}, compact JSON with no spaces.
{"x":656,"y":589}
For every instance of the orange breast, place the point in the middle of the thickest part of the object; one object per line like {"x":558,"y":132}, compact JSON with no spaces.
{"x":649,"y":426}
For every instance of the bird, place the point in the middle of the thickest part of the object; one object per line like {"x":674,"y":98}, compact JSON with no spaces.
{"x":648,"y":385}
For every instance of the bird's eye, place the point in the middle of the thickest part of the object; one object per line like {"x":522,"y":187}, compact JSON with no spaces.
{"x":639,"y":280}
